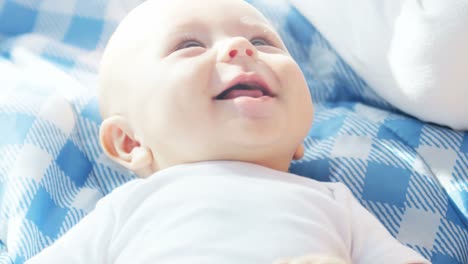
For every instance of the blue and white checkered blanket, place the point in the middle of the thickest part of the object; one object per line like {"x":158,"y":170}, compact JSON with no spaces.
{"x":412,"y":175}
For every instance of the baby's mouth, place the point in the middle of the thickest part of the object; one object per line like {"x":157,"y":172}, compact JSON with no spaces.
{"x":252,"y":89}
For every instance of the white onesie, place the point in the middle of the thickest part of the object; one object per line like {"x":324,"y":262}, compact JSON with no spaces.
{"x":226,"y":212}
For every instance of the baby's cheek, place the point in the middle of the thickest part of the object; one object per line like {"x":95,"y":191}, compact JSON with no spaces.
{"x":298,"y":96}
{"x":295,"y":81}
{"x":290,"y":72}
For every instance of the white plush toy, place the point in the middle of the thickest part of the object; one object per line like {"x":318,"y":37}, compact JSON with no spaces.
{"x":414,"y":53}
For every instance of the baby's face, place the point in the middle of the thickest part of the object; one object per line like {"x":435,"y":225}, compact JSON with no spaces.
{"x":212,"y":81}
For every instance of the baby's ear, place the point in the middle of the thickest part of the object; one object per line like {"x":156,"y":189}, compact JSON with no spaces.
{"x":299,"y":152}
{"x":118,"y":142}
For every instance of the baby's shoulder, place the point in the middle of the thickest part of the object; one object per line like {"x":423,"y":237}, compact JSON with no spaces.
{"x":123,"y":194}
{"x":335,"y":190}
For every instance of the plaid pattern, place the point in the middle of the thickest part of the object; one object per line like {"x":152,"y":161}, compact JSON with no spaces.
{"x":412,"y":175}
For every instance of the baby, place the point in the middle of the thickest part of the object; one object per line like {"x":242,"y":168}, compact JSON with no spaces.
{"x":205,"y":104}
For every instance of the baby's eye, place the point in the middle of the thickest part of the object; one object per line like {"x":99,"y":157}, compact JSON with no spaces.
{"x":189,"y":44}
{"x":260,"y":42}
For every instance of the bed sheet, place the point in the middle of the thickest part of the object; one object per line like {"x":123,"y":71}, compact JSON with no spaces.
{"x":412,"y":175}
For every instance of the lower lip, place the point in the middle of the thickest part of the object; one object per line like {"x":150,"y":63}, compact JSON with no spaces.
{"x":260,"y":107}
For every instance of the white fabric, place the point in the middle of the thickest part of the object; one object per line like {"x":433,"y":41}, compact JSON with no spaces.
{"x":226,"y":212}
{"x":413,"y":53}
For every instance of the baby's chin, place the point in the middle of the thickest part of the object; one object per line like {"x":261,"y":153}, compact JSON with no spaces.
{"x":253,"y":149}
{"x":255,"y":138}
{"x":271,"y":159}
{"x":276,"y":155}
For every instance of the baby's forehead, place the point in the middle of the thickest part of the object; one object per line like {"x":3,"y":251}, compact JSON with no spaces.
{"x":177,"y":13}
{"x":157,"y":24}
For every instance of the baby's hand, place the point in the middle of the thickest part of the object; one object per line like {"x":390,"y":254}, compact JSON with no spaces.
{"x":311,"y":259}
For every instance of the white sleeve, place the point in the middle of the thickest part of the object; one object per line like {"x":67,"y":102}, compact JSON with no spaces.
{"x":371,"y":241}
{"x":86,"y":242}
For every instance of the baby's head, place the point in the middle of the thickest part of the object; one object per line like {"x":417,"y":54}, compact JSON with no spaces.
{"x":183,"y":82}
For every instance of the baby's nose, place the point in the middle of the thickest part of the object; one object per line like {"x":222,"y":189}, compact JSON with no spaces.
{"x":237,"y":47}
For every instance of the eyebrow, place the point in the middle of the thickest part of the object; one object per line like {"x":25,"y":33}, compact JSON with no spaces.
{"x":198,"y":27}
{"x":187,"y":27}
{"x":265,"y":28}
{"x":255,"y":23}
{"x":176,"y":33}
{"x":246,"y":21}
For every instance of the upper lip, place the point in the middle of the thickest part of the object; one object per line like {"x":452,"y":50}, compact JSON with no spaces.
{"x":251,"y":79}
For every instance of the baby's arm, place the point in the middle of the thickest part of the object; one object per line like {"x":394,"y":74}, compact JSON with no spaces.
{"x":86,"y":242}
{"x":318,"y":259}
{"x":311,"y":259}
{"x":371,"y":241}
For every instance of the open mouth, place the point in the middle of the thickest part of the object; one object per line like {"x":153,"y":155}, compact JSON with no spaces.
{"x":248,"y":89}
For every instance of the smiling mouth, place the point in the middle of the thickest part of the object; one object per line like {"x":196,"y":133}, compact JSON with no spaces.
{"x":248,"y":89}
